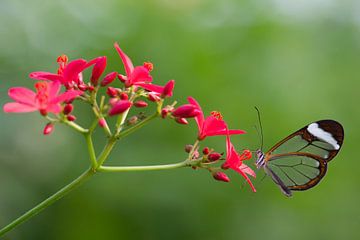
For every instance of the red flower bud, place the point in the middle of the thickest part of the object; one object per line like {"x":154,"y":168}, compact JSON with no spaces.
{"x":140,"y":104}
{"x":121,"y":77}
{"x":206,"y":151}
{"x":220,"y":176}
{"x":168,"y":89}
{"x":102,"y":122}
{"x":119,"y":107}
{"x":71,"y":118}
{"x":164,"y":112}
{"x":153,"y":97}
{"x":181,"y":121}
{"x":109,"y":78}
{"x":214,"y":156}
{"x":98,"y":69}
{"x":43,"y":112}
{"x":68,"y":108}
{"x":111,"y":92}
{"x":246,"y":155}
{"x":124,"y":96}
{"x":48,"y":128}
{"x":186,"y":111}
{"x":82,"y":87}
{"x":91,"y":88}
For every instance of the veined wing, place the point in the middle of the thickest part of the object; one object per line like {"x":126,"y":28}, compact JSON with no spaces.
{"x":322,"y":138}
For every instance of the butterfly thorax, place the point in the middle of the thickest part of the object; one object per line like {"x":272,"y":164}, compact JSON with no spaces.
{"x":260,"y":162}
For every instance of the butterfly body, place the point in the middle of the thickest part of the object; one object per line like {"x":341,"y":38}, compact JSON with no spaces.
{"x":299,"y":161}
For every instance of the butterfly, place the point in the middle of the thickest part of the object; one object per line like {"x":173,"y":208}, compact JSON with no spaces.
{"x":299,"y":161}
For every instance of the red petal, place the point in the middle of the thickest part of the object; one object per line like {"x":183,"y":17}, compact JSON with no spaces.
{"x":246,"y":169}
{"x":140,"y":74}
{"x":45,"y":76}
{"x":15,"y":107}
{"x":109,"y":78}
{"x":199,"y":118}
{"x":151,"y":87}
{"x":66,"y":96}
{"x":22,"y":95}
{"x":72,"y":70}
{"x":168,"y":89}
{"x":128,"y":65}
{"x":246,"y":178}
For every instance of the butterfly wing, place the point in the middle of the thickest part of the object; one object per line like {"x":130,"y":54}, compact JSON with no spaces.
{"x":299,"y":161}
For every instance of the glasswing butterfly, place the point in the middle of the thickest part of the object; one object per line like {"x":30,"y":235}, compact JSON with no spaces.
{"x":299,"y":161}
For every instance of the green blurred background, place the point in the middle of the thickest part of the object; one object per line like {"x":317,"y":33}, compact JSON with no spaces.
{"x":298,"y":61}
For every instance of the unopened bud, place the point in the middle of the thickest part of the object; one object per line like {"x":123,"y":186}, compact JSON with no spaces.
{"x":43,"y":112}
{"x":111,"y":92}
{"x":206,"y":151}
{"x":164,"y":112}
{"x":188,"y":148}
{"x":220,"y":176}
{"x":71,"y":118}
{"x":153,"y":97}
{"x":186,"y":111}
{"x":48,"y":128}
{"x":82,"y":87}
{"x":68,"y":108}
{"x":168,"y":89}
{"x":181,"y":121}
{"x":91,"y":88}
{"x":121,"y":77}
{"x":214,"y":156}
{"x":140,"y":104}
{"x":124,"y":96}
{"x":120,"y":107}
{"x":102,"y":122}
{"x":133,"y":120}
{"x":109,"y":78}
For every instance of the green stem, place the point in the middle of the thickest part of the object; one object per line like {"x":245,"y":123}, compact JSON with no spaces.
{"x":106,"y":151}
{"x":91,"y":150}
{"x":143,"y":168}
{"x":137,"y":126}
{"x":76,"y":127}
{"x":61,"y":193}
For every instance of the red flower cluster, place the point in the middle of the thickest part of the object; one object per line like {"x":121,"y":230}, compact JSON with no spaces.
{"x":137,"y":86}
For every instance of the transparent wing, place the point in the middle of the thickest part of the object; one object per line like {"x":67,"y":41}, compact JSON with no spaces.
{"x":297,"y":170}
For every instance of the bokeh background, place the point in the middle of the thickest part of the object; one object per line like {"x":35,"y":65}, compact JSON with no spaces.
{"x":298,"y":61}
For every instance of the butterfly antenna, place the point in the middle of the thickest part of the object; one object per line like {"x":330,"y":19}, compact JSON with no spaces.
{"x":261,"y":129}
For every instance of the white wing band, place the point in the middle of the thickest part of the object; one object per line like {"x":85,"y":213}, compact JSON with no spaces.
{"x":323,"y":135}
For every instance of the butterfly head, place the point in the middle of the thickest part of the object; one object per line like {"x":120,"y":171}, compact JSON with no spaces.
{"x":260,"y":161}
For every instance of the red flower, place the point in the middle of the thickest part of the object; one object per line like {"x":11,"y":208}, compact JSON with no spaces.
{"x":119,"y":107}
{"x":234,"y":161}
{"x":70,"y":74}
{"x":46,"y":99}
{"x":134,"y":75}
{"x":212,"y":125}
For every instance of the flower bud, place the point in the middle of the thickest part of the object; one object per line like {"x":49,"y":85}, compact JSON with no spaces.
{"x":91,"y":88}
{"x":71,"y":118}
{"x":140,"y":104}
{"x":246,"y":155}
{"x":153,"y":97}
{"x":82,"y":86}
{"x":168,"y":89}
{"x":124,"y":96}
{"x":102,"y":122}
{"x":133,"y":120}
{"x":111,"y":92}
{"x":98,"y":69}
{"x":109,"y":78}
{"x":164,"y":112}
{"x":214,"y":156}
{"x":68,"y":108}
{"x":119,"y":107}
{"x":186,"y":111}
{"x":188,"y":148}
{"x":48,"y":128}
{"x":206,"y":151}
{"x":181,"y":121}
{"x":122,"y":78}
{"x":220,"y":176}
